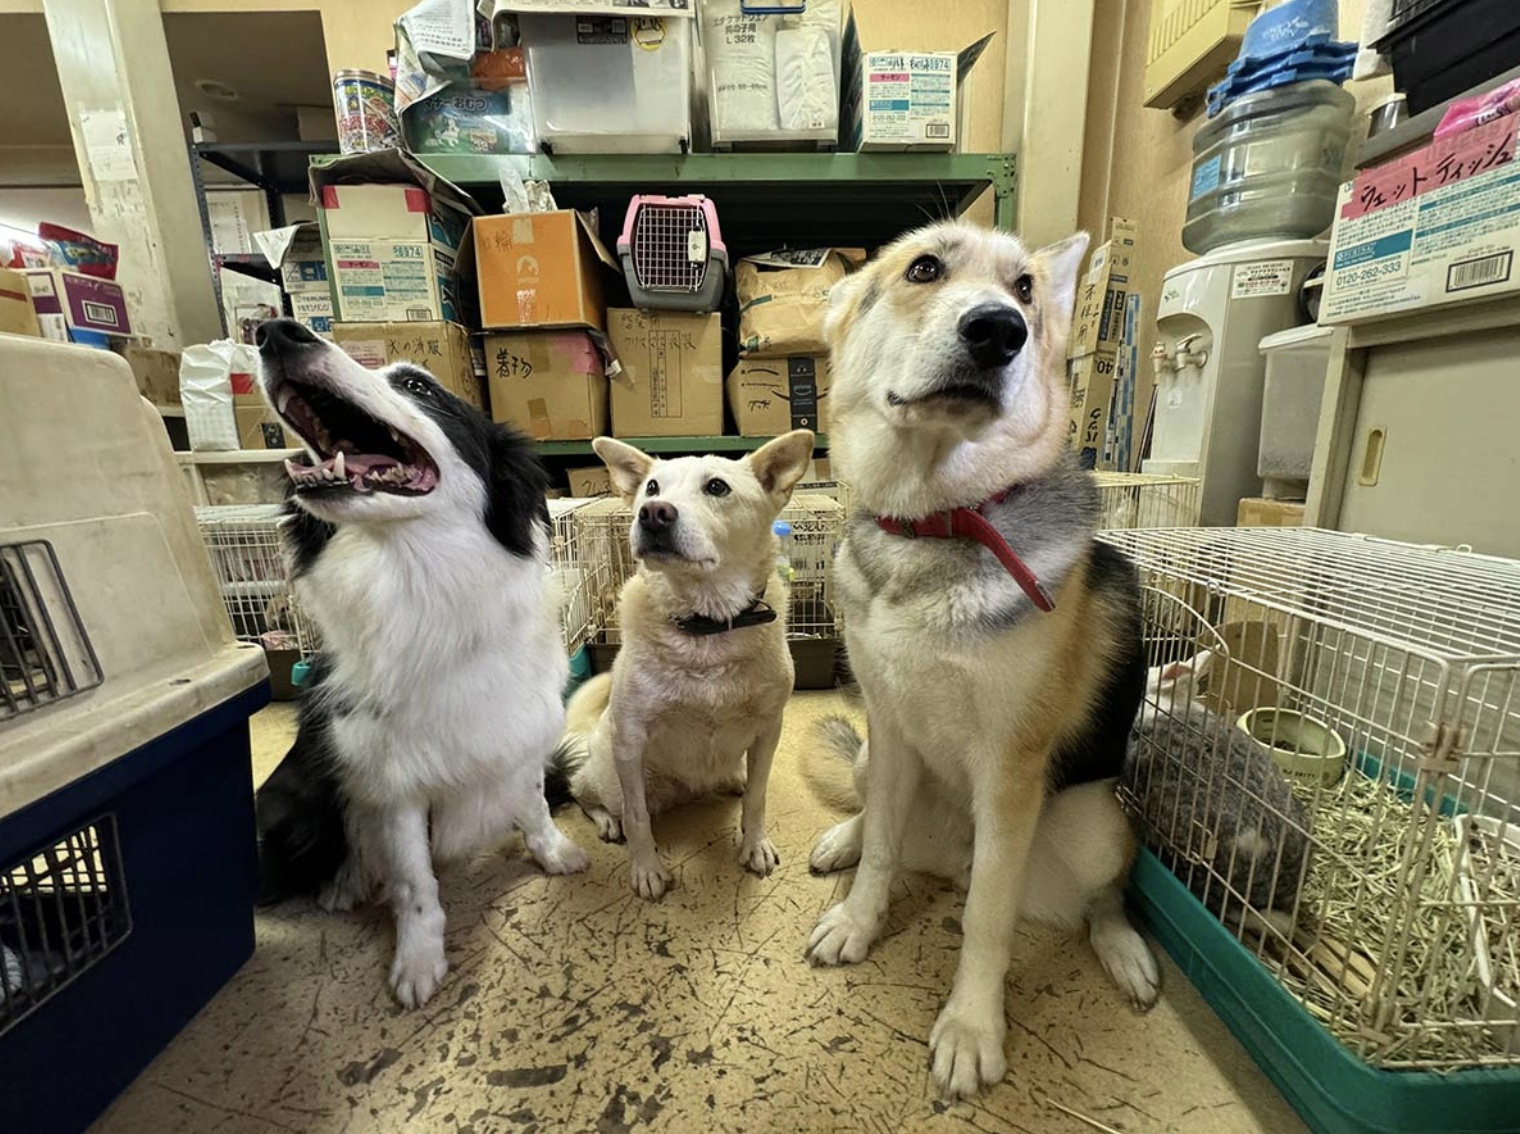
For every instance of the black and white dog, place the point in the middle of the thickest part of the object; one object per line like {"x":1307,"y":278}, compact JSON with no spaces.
{"x":419,"y":540}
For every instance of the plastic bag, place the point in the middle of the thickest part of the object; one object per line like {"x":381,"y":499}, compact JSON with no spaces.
{"x":209,"y":375}
{"x":1466,"y":113}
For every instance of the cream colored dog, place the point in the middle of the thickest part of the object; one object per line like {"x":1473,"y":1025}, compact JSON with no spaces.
{"x":997,"y":643}
{"x":695,"y":699}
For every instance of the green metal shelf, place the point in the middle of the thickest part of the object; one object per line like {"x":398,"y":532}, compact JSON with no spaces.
{"x":725,"y":444}
{"x":764,"y":200}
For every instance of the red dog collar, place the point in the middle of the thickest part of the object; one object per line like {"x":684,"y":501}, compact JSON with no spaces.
{"x":970,"y":523}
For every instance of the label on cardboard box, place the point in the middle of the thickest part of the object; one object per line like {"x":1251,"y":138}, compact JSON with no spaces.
{"x":388,"y":281}
{"x":1439,"y":226}
{"x":1098,"y":319}
{"x":590,"y":482}
{"x":769,"y":396}
{"x":313,"y":309}
{"x":1092,"y":388}
{"x":441,"y":348}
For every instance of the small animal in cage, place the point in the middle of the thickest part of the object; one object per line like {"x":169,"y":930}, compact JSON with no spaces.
{"x":695,"y":698}
{"x":1205,"y":785}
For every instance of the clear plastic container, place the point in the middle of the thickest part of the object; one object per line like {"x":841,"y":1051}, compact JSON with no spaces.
{"x":610,"y":84}
{"x":1269,"y":167}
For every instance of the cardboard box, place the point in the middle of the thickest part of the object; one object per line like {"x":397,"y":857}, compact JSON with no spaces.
{"x":442,"y":349}
{"x":156,"y":371}
{"x":392,"y":251}
{"x":904,"y":100}
{"x":1097,"y":322}
{"x":303,"y":268}
{"x":590,"y":482}
{"x":1259,"y":512}
{"x":784,"y":296}
{"x":540,"y":270}
{"x":1092,"y":389}
{"x":550,"y":384}
{"x":1437,"y":227}
{"x":769,"y":396}
{"x":18,"y":314}
{"x":313,"y":309}
{"x":671,"y":381}
{"x":259,"y":428}
{"x":85,"y":302}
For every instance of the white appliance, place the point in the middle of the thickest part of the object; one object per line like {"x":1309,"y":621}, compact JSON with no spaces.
{"x":1214,"y":312}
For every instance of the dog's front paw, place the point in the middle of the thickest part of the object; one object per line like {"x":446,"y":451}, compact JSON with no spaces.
{"x":417,"y":973}
{"x":564,"y":858}
{"x":347,"y":889}
{"x":649,"y":877}
{"x":759,"y":857}
{"x":608,"y":827}
{"x":966,"y":1051}
{"x":840,"y":938}
{"x":838,"y":848}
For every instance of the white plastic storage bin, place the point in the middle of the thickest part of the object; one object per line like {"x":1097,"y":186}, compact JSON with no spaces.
{"x":610,"y":84}
{"x":1295,"y":381}
{"x":772,"y":80}
{"x":127,"y":846}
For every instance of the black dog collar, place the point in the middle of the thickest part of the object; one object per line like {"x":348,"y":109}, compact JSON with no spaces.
{"x":757,"y":613}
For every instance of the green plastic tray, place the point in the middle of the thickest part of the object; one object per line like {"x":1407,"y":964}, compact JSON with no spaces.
{"x":1332,"y":1090}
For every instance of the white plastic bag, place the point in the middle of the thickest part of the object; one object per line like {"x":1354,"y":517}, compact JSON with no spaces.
{"x":205,"y":388}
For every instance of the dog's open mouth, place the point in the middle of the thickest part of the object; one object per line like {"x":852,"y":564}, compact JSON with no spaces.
{"x":357,"y":452}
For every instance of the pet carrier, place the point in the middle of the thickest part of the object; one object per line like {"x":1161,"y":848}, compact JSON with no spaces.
{"x":815,"y":624}
{"x":1358,"y":925}
{"x":127,"y":866}
{"x":1146,"y":500}
{"x":251,"y":570}
{"x":673,"y":254}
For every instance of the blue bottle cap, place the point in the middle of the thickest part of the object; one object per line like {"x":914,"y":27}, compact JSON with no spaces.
{"x":781,"y":528}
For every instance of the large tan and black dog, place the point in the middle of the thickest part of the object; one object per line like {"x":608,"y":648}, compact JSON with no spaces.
{"x":998,"y":645}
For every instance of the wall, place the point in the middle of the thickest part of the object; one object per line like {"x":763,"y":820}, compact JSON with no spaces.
{"x":1137,"y":163}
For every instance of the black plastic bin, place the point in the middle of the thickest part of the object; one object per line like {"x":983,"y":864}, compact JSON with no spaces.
{"x":1443,"y":48}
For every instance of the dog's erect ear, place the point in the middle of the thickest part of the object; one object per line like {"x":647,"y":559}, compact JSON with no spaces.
{"x":778,"y":465}
{"x":842,"y":297}
{"x":1060,"y":263}
{"x":627,"y":465}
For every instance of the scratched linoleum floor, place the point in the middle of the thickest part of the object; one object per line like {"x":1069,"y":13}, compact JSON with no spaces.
{"x":573,"y":1005}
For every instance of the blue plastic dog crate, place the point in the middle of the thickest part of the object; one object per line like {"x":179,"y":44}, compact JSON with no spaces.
{"x":127,"y":853}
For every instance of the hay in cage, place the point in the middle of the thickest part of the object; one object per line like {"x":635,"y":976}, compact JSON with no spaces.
{"x":1399,"y":928}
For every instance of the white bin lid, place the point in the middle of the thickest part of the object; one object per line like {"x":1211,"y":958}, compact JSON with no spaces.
{"x":1309,"y":337}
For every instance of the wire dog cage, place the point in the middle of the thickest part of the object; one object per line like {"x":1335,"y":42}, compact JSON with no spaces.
{"x":815,"y":526}
{"x":571,"y":569}
{"x":1146,"y":500}
{"x":251,"y":572}
{"x":1329,"y":759}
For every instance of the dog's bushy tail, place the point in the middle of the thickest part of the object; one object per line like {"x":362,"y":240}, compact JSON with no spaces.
{"x":569,"y":756}
{"x":831,"y":773}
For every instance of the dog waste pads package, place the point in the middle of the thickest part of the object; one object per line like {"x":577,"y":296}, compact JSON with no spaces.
{"x":671,"y":383}
{"x":209,"y":375}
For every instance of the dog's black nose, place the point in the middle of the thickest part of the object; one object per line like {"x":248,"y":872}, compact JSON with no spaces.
{"x":993,"y":334}
{"x":657,"y":515}
{"x":274,"y":335}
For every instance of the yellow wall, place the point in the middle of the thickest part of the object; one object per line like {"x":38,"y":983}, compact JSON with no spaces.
{"x":357,"y":33}
{"x":1138,"y":163}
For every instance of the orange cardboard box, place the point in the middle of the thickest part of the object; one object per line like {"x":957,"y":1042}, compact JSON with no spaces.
{"x":540,"y":270}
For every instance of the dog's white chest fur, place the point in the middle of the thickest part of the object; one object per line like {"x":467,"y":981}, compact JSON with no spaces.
{"x":444,"y":654}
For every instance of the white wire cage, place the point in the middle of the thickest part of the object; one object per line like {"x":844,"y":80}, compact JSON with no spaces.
{"x":816,"y":526}
{"x":254,"y":577}
{"x":1146,"y":500}
{"x":572,"y":571}
{"x":1329,"y":758}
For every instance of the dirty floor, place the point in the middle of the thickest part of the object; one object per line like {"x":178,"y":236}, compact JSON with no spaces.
{"x":573,"y":1005}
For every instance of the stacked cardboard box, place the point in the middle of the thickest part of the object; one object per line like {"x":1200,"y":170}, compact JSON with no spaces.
{"x":303,"y":275}
{"x":18,"y":314}
{"x":539,"y":284}
{"x":782,"y":379}
{"x":1097,"y":330}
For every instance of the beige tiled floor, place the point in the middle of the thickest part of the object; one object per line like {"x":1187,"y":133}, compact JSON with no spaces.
{"x":573,"y":1005}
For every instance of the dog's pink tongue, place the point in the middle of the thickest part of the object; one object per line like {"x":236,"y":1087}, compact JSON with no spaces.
{"x":357,"y":464}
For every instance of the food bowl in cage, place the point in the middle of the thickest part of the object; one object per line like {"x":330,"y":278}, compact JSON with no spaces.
{"x":673,"y":253}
